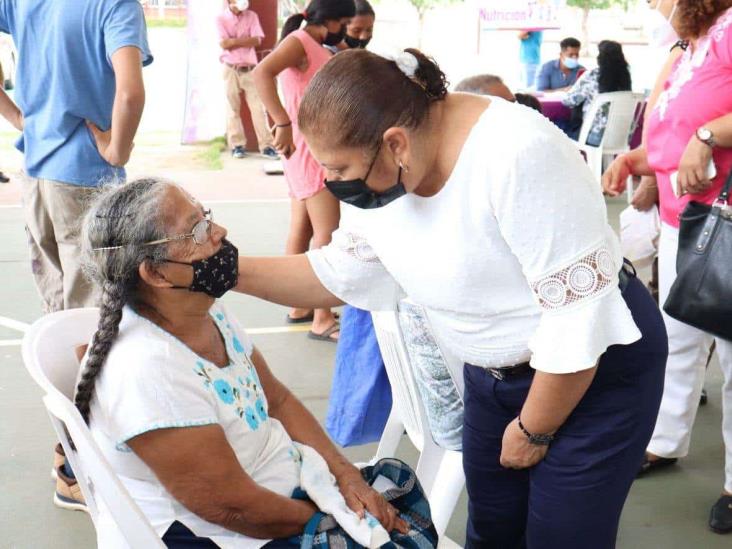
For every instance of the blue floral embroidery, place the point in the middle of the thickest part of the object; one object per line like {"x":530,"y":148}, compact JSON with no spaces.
{"x":220,"y":316}
{"x":201,"y":371}
{"x":238,"y":347}
{"x":261,"y":410}
{"x":251,"y":418}
{"x":224,"y":391}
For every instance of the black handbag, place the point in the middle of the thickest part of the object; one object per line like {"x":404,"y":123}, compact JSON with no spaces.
{"x":701,"y":295}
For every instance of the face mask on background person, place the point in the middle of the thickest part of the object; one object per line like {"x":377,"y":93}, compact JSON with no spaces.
{"x":661,"y":33}
{"x":242,"y":5}
{"x":354,"y":43}
{"x":335,"y":38}
{"x":571,"y":63}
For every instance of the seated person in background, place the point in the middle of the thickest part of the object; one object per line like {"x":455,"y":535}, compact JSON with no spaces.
{"x":562,"y":73}
{"x":611,"y":75}
{"x":485,"y":84}
{"x":528,"y":100}
{"x":185,"y":409}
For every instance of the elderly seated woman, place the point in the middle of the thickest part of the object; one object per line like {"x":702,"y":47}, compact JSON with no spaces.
{"x":187,"y":412}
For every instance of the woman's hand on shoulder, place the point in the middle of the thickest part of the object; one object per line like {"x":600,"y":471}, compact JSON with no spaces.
{"x":361,"y":497}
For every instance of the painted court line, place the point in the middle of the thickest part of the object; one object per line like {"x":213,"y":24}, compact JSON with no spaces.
{"x":14,"y":324}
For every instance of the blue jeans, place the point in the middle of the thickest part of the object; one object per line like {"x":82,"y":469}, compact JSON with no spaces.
{"x":530,"y":71}
{"x":573,"y":498}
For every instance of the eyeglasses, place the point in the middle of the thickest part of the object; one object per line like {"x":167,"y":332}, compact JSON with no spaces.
{"x":200,"y":234}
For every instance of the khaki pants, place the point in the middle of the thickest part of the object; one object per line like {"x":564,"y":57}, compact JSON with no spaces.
{"x":54,"y":212}
{"x":236,"y":82}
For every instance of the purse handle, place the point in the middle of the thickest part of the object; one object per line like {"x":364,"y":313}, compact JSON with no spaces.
{"x":723,"y":198}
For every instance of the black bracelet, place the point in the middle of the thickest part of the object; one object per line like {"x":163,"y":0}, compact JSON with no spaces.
{"x":284,"y":125}
{"x":538,"y":440}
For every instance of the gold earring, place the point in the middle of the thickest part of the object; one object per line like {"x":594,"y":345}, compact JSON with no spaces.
{"x":403,"y":167}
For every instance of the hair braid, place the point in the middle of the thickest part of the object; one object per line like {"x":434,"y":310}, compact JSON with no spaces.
{"x":110,"y":315}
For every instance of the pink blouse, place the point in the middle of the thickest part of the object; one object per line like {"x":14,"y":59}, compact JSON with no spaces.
{"x":698,"y":91}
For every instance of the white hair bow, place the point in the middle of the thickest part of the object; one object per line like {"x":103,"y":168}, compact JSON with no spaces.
{"x":406,"y":61}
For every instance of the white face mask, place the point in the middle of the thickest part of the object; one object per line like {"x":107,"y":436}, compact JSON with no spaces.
{"x":242,"y":5}
{"x":660,"y":31}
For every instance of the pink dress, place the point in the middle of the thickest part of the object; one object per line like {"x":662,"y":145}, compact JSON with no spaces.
{"x":304,"y":175}
{"x":698,"y":91}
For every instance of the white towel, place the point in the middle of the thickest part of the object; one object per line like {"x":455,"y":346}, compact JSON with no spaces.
{"x":320,"y":485}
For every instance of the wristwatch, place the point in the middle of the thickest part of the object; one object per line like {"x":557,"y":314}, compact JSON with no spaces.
{"x":706,"y":136}
{"x":538,"y":440}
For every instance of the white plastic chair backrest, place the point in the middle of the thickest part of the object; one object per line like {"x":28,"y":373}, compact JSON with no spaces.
{"x":398,"y":369}
{"x":49,"y":355}
{"x":624,"y":112}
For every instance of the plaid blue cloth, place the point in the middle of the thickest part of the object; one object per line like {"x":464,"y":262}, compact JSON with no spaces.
{"x":323,"y":532}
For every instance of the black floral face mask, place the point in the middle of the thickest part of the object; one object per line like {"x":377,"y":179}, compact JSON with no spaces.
{"x":214,"y":275}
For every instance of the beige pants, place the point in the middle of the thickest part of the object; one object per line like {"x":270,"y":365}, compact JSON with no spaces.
{"x":53,"y":215}
{"x":236,"y":82}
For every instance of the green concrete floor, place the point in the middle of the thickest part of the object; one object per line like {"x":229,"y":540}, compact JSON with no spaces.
{"x":668,"y":510}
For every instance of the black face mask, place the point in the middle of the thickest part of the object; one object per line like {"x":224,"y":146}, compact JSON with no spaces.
{"x":214,"y":275}
{"x":357,"y":193}
{"x":356,"y":43}
{"x":335,"y":38}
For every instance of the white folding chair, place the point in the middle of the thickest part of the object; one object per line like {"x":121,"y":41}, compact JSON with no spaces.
{"x":440,"y":471}
{"x":49,"y":355}
{"x":624,"y":113}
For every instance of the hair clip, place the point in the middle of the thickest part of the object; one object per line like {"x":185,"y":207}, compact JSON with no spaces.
{"x":110,"y":216}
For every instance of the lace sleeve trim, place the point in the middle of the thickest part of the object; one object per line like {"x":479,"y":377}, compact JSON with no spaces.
{"x":356,"y":246}
{"x":583,"y":279}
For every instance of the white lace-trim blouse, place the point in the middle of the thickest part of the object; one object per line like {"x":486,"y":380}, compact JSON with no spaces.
{"x":512,"y":260}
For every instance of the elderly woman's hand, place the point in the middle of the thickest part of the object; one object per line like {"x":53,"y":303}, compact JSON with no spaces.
{"x":361,"y":497}
{"x":693,"y":177}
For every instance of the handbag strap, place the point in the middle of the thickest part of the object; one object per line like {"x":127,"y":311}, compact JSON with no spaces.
{"x":724,"y":195}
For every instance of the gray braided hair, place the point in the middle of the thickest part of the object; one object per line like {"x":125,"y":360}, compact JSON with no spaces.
{"x":130,"y":215}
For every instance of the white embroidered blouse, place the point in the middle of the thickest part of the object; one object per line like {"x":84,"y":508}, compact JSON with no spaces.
{"x":512,"y":260}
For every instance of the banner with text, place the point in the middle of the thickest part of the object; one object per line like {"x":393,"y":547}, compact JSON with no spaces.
{"x":519,"y":14}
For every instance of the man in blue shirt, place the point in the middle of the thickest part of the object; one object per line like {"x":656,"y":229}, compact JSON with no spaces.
{"x":530,"y":55}
{"x":80,"y":96}
{"x":562,"y":73}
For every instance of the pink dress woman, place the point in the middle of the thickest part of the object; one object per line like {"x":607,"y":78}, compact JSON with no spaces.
{"x":304,"y":175}
{"x":698,"y":91}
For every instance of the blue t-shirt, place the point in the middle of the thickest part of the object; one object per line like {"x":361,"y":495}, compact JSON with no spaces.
{"x":551,"y":76}
{"x":65,"y":77}
{"x":530,"y":52}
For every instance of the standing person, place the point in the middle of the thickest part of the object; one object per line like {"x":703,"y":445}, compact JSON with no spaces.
{"x":483,"y":213}
{"x":314,"y":212}
{"x":530,"y":55}
{"x":611,"y":75}
{"x":10,"y":112}
{"x":360,"y":30}
{"x":689,"y":127}
{"x":240,"y":33}
{"x":79,"y":118}
{"x":560,"y":74}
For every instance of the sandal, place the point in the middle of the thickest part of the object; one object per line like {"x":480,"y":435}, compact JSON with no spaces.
{"x":325,"y":336}
{"x":301,"y":319}
{"x":649,"y":465}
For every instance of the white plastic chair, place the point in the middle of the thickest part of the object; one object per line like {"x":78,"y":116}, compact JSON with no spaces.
{"x":49,"y":355}
{"x":440,"y":471}
{"x":624,"y":113}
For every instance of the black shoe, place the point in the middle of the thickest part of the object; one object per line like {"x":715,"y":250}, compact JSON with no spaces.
{"x":703,"y":398}
{"x":659,"y":463}
{"x":720,"y":518}
{"x":238,"y":152}
{"x":4,"y":178}
{"x":269,"y":152}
